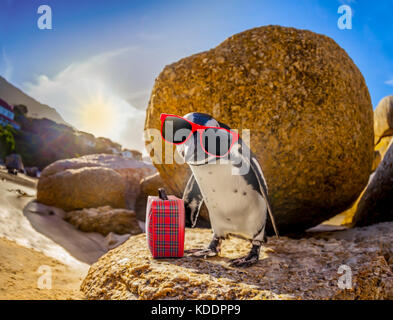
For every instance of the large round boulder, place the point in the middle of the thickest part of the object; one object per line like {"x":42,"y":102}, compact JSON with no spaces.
{"x":307,"y":107}
{"x":92,"y":181}
{"x":88,"y":187}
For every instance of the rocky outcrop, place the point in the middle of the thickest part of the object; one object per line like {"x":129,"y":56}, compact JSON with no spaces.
{"x":376,"y":205}
{"x":306,"y":268}
{"x":104,"y":220}
{"x":92,"y":181}
{"x":307,"y":107}
{"x":376,"y":161}
{"x":378,"y":185}
{"x":14,"y":162}
{"x":32,"y":171}
{"x":15,"y":96}
{"x":383,"y":125}
{"x":383,"y":119}
{"x":382,"y":145}
{"x":42,"y":141}
{"x":149,"y":187}
{"x":88,"y":187}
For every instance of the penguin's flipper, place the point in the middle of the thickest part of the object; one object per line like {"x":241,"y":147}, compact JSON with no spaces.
{"x":193,"y":200}
{"x":256,"y":168}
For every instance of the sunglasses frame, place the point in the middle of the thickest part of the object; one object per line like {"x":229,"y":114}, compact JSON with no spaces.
{"x":198,"y":128}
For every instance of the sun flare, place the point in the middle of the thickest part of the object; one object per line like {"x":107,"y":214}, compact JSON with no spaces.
{"x":98,"y":117}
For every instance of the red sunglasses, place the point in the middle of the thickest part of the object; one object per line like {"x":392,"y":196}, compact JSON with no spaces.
{"x":177,"y":130}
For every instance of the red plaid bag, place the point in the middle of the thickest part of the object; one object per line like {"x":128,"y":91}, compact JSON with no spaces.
{"x":165,"y":226}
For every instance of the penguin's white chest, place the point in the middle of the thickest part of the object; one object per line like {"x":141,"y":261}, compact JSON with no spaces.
{"x":234,"y":206}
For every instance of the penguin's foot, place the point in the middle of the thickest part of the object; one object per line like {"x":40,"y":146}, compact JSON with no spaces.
{"x":244,"y":262}
{"x":250,"y":259}
{"x":201,"y":253}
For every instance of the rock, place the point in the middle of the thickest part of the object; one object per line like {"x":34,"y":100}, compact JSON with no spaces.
{"x":376,"y":203}
{"x":305,"y":268}
{"x":383,"y":119}
{"x":32,"y":171}
{"x":114,"y":240}
{"x":104,"y":220}
{"x":134,"y":154}
{"x":376,"y":161}
{"x":304,"y":100}
{"x":75,"y":189}
{"x":149,"y":187}
{"x":382,"y":145}
{"x":98,"y":189}
{"x":42,"y":142}
{"x":14,"y":162}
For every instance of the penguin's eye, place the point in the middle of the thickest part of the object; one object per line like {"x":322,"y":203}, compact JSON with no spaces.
{"x":216,"y":141}
{"x":176,"y":130}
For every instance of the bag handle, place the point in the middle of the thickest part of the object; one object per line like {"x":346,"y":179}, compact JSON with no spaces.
{"x":162,"y":194}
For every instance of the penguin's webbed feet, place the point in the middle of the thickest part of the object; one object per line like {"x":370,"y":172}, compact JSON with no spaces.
{"x":211,"y":251}
{"x":248,"y":260}
{"x":244,"y":262}
{"x":201,"y":253}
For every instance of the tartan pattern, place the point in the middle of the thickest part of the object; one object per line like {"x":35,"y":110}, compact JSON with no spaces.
{"x":165,"y":227}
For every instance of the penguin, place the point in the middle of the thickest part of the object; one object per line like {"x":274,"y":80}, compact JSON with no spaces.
{"x":234,"y":190}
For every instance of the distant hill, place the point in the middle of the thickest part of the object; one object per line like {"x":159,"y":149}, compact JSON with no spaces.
{"x":15,"y":96}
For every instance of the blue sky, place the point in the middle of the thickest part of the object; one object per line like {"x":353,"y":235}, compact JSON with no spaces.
{"x":110,"y":52}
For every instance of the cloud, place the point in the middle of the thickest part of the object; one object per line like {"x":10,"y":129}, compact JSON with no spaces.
{"x":389,"y":82}
{"x":6,"y":67}
{"x":117,"y":80}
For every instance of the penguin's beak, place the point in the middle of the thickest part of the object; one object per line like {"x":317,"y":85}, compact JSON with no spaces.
{"x":189,"y":152}
{"x":192,"y":152}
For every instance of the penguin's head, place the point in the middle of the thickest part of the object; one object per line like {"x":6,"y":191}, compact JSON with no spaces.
{"x":192,"y":151}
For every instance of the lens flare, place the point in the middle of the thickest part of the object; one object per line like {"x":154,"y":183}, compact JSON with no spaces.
{"x":98,"y":117}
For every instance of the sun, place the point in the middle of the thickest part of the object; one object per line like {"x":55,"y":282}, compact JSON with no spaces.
{"x":97,"y":117}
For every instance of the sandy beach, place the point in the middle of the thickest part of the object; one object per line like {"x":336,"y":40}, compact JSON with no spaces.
{"x":25,"y":252}
{"x":20,"y":273}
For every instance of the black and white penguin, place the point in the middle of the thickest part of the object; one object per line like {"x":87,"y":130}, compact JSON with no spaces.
{"x":234,"y":191}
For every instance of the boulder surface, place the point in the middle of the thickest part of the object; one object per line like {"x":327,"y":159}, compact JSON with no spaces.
{"x":306,"y":268}
{"x":376,"y":204}
{"x":149,"y":187}
{"x":305,"y":103}
{"x":104,"y":220}
{"x":92,"y":181}
{"x":89,"y":187}
{"x":14,"y":162}
{"x":383,"y":118}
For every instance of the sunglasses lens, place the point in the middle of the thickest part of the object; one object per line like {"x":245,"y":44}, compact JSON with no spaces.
{"x":216,"y":141}
{"x":176,"y":130}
